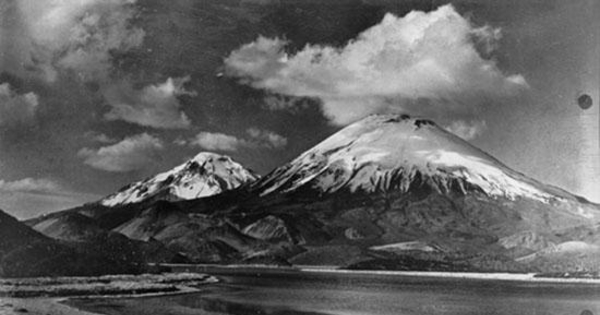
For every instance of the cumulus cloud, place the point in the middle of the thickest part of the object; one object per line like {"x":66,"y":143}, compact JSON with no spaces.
{"x":156,"y":105}
{"x":468,"y":130}
{"x":130,"y":154}
{"x":31,"y":185}
{"x":430,"y":55}
{"x":16,"y":109}
{"x":81,"y":36}
{"x":257,"y":138}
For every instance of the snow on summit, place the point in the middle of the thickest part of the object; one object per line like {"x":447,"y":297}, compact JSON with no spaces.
{"x":397,"y":152}
{"x":204,"y":175}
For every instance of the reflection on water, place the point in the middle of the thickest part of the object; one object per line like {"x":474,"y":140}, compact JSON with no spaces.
{"x":248,"y":292}
{"x":226,"y":307}
{"x":185,"y":304}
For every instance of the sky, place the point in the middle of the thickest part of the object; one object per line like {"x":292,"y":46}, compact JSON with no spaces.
{"x":95,"y":94}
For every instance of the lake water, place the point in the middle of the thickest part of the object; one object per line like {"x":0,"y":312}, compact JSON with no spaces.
{"x":280,"y":292}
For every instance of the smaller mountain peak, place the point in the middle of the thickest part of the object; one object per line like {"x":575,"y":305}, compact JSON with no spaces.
{"x":204,"y":175}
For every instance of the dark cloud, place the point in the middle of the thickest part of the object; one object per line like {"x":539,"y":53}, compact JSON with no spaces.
{"x":16,"y":109}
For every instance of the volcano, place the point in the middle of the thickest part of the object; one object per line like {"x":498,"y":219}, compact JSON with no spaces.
{"x":393,"y":185}
{"x":391,"y":153}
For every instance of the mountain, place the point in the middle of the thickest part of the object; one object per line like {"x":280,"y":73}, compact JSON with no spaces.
{"x":204,"y":175}
{"x":387,"y":192}
{"x":392,"y":185}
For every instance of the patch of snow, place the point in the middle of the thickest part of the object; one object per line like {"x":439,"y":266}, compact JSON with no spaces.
{"x":404,"y":246}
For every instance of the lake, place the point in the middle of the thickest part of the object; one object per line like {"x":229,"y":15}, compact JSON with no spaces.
{"x":248,"y":291}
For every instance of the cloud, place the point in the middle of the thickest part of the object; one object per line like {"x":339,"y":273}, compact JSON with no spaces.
{"x":31,"y":185}
{"x":16,"y":109}
{"x":156,"y":105}
{"x":429,"y":55}
{"x":99,"y":137}
{"x":267,"y":138}
{"x":180,"y":141}
{"x":468,"y":130}
{"x":131,"y":154}
{"x":215,"y":141}
{"x":81,"y":36}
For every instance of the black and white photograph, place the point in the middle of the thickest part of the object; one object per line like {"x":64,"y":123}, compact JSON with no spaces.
{"x":299,"y":157}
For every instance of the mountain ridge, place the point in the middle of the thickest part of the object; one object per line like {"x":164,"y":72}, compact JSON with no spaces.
{"x":389,"y":190}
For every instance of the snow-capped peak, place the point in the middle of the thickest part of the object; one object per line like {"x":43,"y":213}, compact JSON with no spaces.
{"x":397,"y":152}
{"x":204,"y":175}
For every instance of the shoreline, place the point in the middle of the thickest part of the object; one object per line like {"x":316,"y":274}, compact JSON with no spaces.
{"x":523,"y":277}
{"x":500,"y":276}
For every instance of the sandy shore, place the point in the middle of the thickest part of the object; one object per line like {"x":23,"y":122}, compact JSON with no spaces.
{"x":33,"y":295}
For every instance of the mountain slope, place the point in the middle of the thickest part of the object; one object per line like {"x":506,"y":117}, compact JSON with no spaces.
{"x":204,"y":175}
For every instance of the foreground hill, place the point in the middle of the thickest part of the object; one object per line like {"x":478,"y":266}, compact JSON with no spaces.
{"x":387,"y":192}
{"x":25,"y":252}
{"x":73,"y":245}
